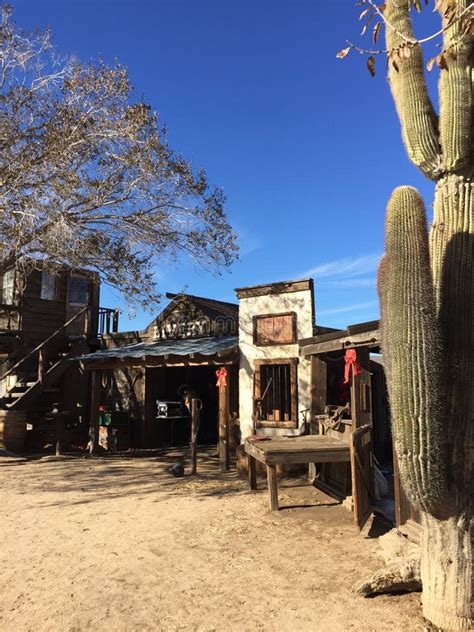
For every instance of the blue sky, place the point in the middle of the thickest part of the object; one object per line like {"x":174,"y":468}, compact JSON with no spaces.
{"x":306,"y":147}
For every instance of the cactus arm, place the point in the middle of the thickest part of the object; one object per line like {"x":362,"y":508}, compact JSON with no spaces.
{"x":412,"y":340}
{"x":455,"y":94}
{"x":418,"y":119}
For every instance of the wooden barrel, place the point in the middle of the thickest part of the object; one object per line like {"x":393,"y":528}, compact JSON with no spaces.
{"x":12,"y":429}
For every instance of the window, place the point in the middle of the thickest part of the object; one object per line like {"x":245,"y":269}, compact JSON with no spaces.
{"x":78,"y":290}
{"x":48,"y":286}
{"x":7,"y":287}
{"x":274,"y":329}
{"x":276,"y":393}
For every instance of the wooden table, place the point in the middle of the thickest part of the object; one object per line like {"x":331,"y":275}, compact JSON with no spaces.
{"x":283,"y":450}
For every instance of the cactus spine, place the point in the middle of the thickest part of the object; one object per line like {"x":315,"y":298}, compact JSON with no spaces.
{"x":427,"y":298}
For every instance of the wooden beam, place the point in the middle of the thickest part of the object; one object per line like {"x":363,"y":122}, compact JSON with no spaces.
{"x":150,"y":362}
{"x":282,"y":287}
{"x":224,"y":428}
{"x":370,"y":338}
{"x":94,"y":412}
{"x":322,"y":347}
{"x":194,"y":434}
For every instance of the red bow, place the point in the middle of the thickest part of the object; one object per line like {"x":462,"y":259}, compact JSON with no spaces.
{"x":351,"y":363}
{"x":221,"y":377}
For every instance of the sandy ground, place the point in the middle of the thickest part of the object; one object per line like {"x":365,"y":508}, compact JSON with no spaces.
{"x":118,"y":544}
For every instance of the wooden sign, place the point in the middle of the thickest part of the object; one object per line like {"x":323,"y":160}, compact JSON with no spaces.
{"x":275,"y":329}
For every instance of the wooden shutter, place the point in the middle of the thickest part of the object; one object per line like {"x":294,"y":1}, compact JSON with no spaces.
{"x":274,"y":329}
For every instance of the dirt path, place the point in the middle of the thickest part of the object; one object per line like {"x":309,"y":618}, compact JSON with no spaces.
{"x":118,"y":544}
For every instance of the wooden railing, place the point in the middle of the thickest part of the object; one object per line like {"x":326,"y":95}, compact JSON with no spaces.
{"x":108,"y":321}
{"x":40,"y":349}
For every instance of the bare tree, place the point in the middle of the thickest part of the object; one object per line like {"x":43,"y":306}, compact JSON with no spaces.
{"x":427,"y":296}
{"x":87,"y":177}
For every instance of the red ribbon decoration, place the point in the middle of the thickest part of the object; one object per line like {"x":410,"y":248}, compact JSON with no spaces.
{"x":352,"y":363}
{"x":221,"y":377}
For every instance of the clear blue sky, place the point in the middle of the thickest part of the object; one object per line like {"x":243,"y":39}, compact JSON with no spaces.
{"x":306,"y":147}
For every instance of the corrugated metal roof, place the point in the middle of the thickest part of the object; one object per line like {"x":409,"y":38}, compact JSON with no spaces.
{"x":200,"y":346}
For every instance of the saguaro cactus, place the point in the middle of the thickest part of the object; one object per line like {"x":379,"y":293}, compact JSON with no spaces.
{"x":426,"y":285}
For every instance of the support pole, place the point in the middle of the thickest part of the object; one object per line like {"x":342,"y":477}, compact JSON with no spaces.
{"x":224,"y":429}
{"x":94,"y":412}
{"x":272,"y":487}
{"x":194,"y":434}
{"x":252,"y":472}
{"x":59,"y":420}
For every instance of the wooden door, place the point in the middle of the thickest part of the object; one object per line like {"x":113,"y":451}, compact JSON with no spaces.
{"x":362,"y":468}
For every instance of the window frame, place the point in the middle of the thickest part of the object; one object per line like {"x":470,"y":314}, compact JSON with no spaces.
{"x":54,"y":278}
{"x":10,"y":287}
{"x":86,"y":280}
{"x":291,"y":424}
{"x":294,"y":330}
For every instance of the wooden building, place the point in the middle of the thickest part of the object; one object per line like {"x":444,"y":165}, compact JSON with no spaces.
{"x":145,"y":375}
{"x":45,"y":320}
{"x":282,"y":371}
{"x":366,"y":393}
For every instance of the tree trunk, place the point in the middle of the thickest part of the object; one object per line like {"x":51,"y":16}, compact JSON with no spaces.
{"x":446,"y":572}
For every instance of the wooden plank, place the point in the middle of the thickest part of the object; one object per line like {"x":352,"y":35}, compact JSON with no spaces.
{"x":194,"y":433}
{"x":283,"y":287}
{"x":362,"y":470}
{"x":252,"y":472}
{"x":372,"y":338}
{"x":328,"y":456}
{"x":94,"y":412}
{"x":363,"y":327}
{"x":322,"y":347}
{"x":260,"y":362}
{"x":271,"y":329}
{"x":272,"y":488}
{"x":289,"y":425}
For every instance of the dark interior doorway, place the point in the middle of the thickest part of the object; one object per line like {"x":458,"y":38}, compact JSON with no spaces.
{"x":164,"y":384}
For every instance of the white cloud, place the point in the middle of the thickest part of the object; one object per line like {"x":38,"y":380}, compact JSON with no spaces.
{"x":348,"y":308}
{"x":248,"y":241}
{"x":346,"y":283}
{"x":347,"y":267}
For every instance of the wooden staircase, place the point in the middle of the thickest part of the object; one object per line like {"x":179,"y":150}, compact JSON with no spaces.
{"x":29,"y":386}
{"x":37,"y":387}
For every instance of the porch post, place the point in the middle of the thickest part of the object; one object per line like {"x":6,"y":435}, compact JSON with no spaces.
{"x":94,"y":411}
{"x":224,"y":428}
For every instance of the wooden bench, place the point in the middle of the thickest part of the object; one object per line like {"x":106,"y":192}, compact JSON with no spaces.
{"x":285,"y":450}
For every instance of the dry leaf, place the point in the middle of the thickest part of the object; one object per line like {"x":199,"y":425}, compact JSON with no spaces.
{"x":342,"y":53}
{"x":371,"y":65}
{"x":430,"y":64}
{"x":376,"y":32}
